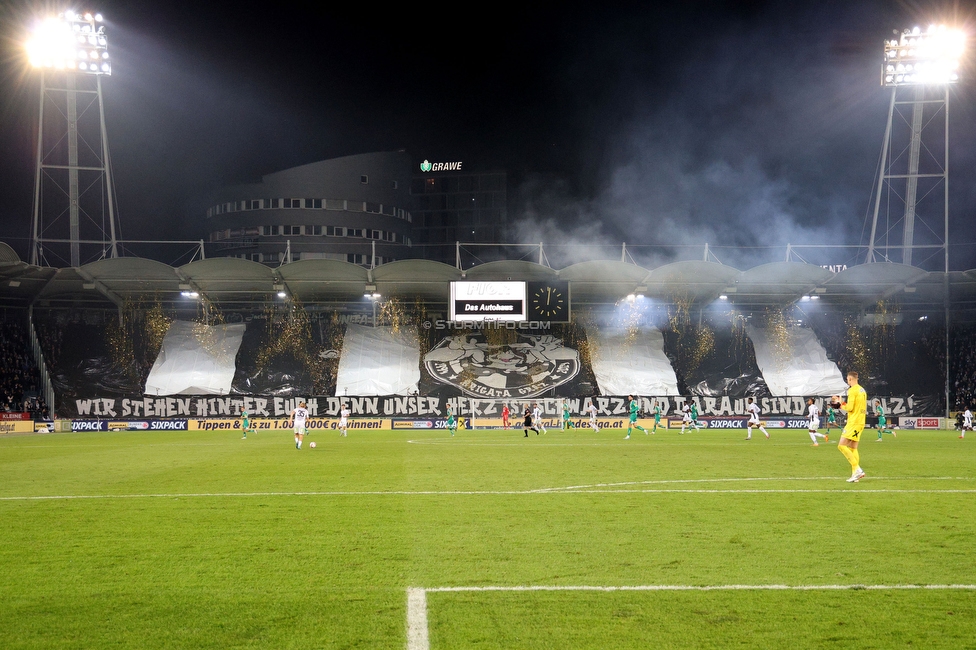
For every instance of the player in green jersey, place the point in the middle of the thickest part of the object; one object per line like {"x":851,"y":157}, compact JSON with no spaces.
{"x":882,"y":421}
{"x":245,"y":423}
{"x":657,"y":417}
{"x":694,"y":416}
{"x":451,"y":420}
{"x":567,"y":422}
{"x":634,"y":409}
{"x":831,"y":418}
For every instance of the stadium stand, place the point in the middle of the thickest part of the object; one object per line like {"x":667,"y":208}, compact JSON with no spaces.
{"x":19,"y":381}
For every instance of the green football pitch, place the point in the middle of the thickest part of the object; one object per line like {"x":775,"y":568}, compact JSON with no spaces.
{"x":485,"y":540}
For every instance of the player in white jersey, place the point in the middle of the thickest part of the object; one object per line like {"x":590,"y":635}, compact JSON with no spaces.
{"x":344,"y":413}
{"x":813,"y":422}
{"x":298,"y":416}
{"x":537,"y":422}
{"x":591,"y":410}
{"x":754,"y":422}
{"x":967,"y":422}
{"x":688,"y":418}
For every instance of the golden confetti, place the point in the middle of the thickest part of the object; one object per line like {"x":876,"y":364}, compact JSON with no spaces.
{"x":694,"y":342}
{"x":136,"y":336}
{"x":780,"y":336}
{"x":289,"y":332}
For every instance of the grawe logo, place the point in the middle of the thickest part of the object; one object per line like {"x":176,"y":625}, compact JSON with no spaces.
{"x":428,"y":166}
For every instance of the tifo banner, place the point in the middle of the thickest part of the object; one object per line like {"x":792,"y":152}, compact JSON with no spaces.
{"x":523,"y":369}
{"x":432,"y":407}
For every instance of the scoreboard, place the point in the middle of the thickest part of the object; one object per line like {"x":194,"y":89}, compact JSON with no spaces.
{"x":488,"y":301}
{"x":547,"y":301}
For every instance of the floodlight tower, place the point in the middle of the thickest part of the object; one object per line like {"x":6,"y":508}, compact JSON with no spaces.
{"x":73,"y":191}
{"x":919,"y":66}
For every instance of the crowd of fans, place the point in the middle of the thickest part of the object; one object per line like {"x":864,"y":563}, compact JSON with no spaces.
{"x":19,"y":380}
{"x":962,"y":360}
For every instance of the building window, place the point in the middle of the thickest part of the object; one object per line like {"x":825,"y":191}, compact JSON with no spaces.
{"x":313,"y":230}
{"x":335,"y":231}
{"x":291,"y":230}
{"x":364,"y":179}
{"x":395,"y":186}
{"x":313,"y":203}
{"x":255,"y":204}
{"x":269,"y":231}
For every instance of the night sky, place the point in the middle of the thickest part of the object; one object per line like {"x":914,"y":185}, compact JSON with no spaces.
{"x":744,"y":123}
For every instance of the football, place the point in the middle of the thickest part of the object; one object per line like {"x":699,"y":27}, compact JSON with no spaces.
{"x":312,"y":445}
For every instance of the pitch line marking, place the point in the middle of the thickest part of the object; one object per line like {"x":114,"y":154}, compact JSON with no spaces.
{"x":736,"y":480}
{"x":417,"y":619}
{"x":417,"y":629}
{"x":595,"y":489}
{"x":203,"y":495}
{"x":961,"y":587}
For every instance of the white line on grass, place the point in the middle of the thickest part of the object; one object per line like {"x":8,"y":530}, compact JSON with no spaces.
{"x":345,"y":493}
{"x":417,"y":634}
{"x":737,"y":480}
{"x":417,"y":619}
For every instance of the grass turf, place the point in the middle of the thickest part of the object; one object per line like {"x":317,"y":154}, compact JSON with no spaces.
{"x":204,"y":540}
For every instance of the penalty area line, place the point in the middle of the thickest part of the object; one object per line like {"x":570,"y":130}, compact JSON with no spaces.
{"x":417,"y":630}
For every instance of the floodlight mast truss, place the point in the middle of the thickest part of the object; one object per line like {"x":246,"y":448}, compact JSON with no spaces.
{"x":919,"y":66}
{"x":927,"y":63}
{"x":71,"y":50}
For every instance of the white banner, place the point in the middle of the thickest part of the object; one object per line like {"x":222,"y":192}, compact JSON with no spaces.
{"x":375,"y":361}
{"x":196,"y":359}
{"x":626,"y":363}
{"x":801,"y":369}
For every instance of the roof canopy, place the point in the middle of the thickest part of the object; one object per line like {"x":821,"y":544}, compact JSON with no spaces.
{"x":231,"y":281}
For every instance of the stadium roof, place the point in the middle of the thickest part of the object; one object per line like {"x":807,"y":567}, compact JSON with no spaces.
{"x":236,"y":282}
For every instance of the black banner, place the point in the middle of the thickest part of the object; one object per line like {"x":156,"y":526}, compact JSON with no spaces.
{"x":422,"y":407}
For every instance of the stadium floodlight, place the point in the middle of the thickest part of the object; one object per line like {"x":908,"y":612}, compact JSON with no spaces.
{"x":70,"y":42}
{"x":928,"y":62}
{"x":71,"y":48}
{"x":932,"y":57}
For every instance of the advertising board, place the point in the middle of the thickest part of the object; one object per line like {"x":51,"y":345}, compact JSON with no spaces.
{"x":480,"y":301}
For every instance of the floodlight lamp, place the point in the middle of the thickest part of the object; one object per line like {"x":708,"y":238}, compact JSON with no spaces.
{"x":723,"y":297}
{"x":54,"y":41}
{"x":282,"y":294}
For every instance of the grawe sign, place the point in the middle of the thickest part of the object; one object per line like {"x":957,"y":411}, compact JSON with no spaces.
{"x":428,"y":166}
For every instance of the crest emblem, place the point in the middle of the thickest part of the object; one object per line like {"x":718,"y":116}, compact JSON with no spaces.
{"x":527,"y":368}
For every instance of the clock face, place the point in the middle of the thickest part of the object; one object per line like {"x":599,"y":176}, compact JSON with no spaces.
{"x":549,"y":301}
